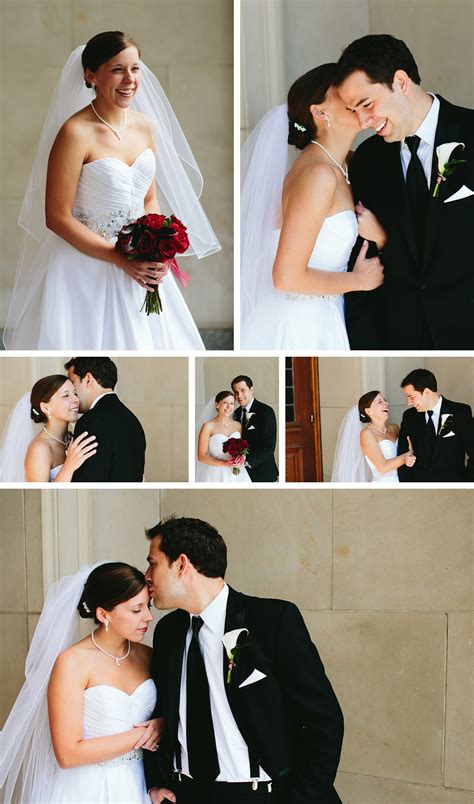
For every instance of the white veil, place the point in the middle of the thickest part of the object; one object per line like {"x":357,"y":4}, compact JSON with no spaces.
{"x":179,"y":181}
{"x":265,"y":161}
{"x":349,"y":464}
{"x":17,"y":434}
{"x":28,"y":762}
{"x":208,"y":413}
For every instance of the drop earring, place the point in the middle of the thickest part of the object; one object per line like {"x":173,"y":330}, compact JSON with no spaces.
{"x":327,"y":119}
{"x":106,"y":625}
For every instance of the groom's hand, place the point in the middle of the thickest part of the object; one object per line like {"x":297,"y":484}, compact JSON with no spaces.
{"x":368,"y":273}
{"x":162,"y":794}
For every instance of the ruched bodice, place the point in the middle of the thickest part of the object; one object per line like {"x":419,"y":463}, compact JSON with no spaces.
{"x":389,"y":450}
{"x":110,"y":193}
{"x":106,"y":711}
{"x":217,"y":441}
{"x":287,"y":320}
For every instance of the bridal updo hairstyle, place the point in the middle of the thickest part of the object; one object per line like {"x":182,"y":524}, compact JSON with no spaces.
{"x":222,"y":395}
{"x":107,"y":586}
{"x":312,"y":87}
{"x":365,"y":402}
{"x":105,"y":46}
{"x":42,"y":391}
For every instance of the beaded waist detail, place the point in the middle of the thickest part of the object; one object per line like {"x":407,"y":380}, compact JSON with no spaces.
{"x":108,"y":225}
{"x":303,"y":297}
{"x":132,"y":756}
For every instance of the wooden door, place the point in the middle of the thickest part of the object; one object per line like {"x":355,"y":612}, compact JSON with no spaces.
{"x":303,"y":423}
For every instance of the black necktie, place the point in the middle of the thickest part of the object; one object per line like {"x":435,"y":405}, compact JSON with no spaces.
{"x":430,"y":433}
{"x":245,"y":419}
{"x":201,"y":741}
{"x":418,"y":193}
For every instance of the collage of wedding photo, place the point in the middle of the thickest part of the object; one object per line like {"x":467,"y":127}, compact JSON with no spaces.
{"x":236,"y":402}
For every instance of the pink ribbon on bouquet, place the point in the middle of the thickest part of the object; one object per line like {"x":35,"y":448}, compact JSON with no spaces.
{"x":181,"y":276}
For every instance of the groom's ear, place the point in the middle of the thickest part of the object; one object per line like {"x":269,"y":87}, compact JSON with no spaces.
{"x":89,"y":378}
{"x":401,"y":81}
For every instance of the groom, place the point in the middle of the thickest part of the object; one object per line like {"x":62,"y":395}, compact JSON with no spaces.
{"x":120,"y":455}
{"x":258,"y":428}
{"x":264,"y":726}
{"x":441,"y":432}
{"x":426,"y":301}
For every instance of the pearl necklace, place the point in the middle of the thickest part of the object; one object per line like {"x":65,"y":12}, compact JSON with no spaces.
{"x":54,"y":437}
{"x":117,"y":659}
{"x":225,"y":426}
{"x":382,"y":432}
{"x":343,"y":168}
{"x":115,"y":131}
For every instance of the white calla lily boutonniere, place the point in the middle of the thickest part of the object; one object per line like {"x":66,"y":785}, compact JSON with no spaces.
{"x":249,"y":415}
{"x":446,"y":422}
{"x":446,"y":165}
{"x":230,"y":640}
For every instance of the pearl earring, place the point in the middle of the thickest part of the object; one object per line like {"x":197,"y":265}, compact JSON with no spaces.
{"x":327,"y":119}
{"x":106,"y":625}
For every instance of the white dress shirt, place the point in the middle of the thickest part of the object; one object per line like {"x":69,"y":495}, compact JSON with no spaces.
{"x":232,"y":750}
{"x":436,"y":414}
{"x":94,"y":403}
{"x":426,"y":131}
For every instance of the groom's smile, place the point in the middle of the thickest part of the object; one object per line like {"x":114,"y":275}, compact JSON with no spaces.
{"x":377,"y":106}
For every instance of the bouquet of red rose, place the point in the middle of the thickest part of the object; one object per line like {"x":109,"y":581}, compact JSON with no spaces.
{"x":155,"y":238}
{"x":236,"y":449}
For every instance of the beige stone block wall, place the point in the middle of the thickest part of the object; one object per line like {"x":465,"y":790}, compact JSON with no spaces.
{"x":21,"y":593}
{"x":343,"y":380}
{"x":214,"y":374}
{"x":189,"y":45}
{"x":154,"y":388}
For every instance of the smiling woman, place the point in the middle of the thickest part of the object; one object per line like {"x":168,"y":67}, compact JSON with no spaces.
{"x":111,"y":150}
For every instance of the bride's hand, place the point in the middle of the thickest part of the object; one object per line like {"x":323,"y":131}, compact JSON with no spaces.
{"x":79,"y":450}
{"x":147,"y":274}
{"x":368,"y":272}
{"x":150,"y":739}
{"x":369,"y":226}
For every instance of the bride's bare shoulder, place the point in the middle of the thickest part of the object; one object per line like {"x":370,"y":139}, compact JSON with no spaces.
{"x":39,"y":449}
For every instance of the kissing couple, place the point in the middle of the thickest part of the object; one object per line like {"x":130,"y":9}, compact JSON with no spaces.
{"x":232,"y":705}
{"x":340,"y":250}
{"x":108,"y":444}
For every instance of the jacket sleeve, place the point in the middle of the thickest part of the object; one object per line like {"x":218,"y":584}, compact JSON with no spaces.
{"x":317,"y":717}
{"x":96,"y":468}
{"x":267,"y":442}
{"x":405,"y":473}
{"x":468,"y":440}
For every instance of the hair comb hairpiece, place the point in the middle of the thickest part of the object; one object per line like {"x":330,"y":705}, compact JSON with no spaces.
{"x":300,"y":128}
{"x":86,"y":607}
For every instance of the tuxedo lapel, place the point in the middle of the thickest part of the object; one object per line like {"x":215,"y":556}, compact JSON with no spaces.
{"x":447,"y":130}
{"x":446,"y":407}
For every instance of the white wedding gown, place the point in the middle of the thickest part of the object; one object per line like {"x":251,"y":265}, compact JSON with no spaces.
{"x":55,"y":471}
{"x":389,"y":450}
{"x":217,"y":474}
{"x":86,"y":303}
{"x":298,"y":321}
{"x":108,"y":710}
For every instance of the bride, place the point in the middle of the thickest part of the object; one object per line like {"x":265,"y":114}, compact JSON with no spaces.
{"x":44,"y":456}
{"x":110,"y":151}
{"x":298,"y":222}
{"x":369,"y":453}
{"x":213,"y":464}
{"x":78,"y":728}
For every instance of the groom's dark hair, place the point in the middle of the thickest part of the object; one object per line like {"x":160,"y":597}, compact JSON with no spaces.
{"x":379,"y":56}
{"x":199,"y":541}
{"x":242,"y":378}
{"x":103,"y":369}
{"x":420,"y":379}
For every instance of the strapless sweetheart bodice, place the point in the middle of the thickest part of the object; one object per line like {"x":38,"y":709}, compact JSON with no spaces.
{"x":55,"y":471}
{"x":389,"y":450}
{"x":110,"y":192}
{"x":108,"y":710}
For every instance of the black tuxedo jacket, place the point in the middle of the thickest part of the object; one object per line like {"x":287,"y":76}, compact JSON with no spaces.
{"x":261,"y":434}
{"x":447,"y":464}
{"x":120,"y":456}
{"x":437,"y":294}
{"x":290,"y":720}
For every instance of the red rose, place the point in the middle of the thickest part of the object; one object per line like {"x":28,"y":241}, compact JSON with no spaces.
{"x":167,"y":248}
{"x":146,"y":245}
{"x":182,"y":241}
{"x":152,"y":220}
